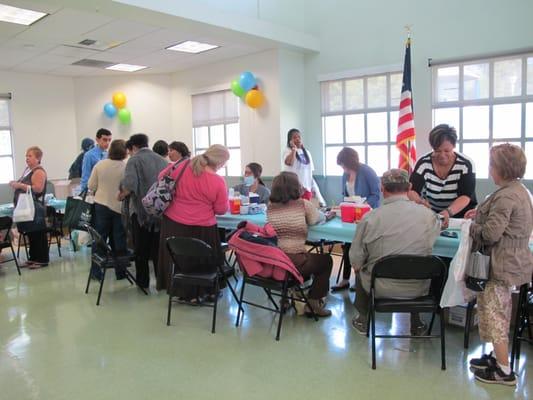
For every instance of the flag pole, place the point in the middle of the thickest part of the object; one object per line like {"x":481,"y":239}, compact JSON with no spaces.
{"x":409,"y":168}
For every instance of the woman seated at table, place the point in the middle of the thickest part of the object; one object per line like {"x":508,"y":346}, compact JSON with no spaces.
{"x":358,"y":180}
{"x":34,"y":178}
{"x":290,"y":215}
{"x":444,"y":180}
{"x":105,"y":181}
{"x":252,"y":183}
{"x":200,"y":195}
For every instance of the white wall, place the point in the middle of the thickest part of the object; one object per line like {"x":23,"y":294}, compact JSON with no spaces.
{"x":356,"y":34}
{"x":260,"y":129}
{"x":148,"y":98}
{"x":42,"y":114}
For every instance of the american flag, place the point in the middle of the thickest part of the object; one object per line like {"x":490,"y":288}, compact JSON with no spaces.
{"x":405,"y":139}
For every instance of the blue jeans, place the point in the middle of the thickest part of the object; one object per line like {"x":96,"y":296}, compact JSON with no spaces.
{"x":108,"y":224}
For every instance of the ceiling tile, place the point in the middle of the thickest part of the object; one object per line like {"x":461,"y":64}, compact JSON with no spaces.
{"x":153,"y":41}
{"x":119,"y":31}
{"x":12,"y":57}
{"x":53,"y":59}
{"x":65,"y":25}
{"x":70,"y":51}
{"x":8,"y":30}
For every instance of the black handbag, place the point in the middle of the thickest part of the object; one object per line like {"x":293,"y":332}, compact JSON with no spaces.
{"x":477,"y":271}
{"x":78,"y":212}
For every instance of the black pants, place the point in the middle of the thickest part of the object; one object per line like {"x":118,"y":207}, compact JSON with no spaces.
{"x":146,"y":242}
{"x":346,"y":266}
{"x":39,"y":251}
{"x":316,"y":265}
{"x":108,"y":224}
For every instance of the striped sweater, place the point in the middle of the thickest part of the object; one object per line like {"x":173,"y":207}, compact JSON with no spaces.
{"x":440,"y":193}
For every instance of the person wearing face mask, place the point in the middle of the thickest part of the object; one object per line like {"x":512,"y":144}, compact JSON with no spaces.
{"x":252,"y":183}
{"x":444,"y":180}
{"x":298,"y":160}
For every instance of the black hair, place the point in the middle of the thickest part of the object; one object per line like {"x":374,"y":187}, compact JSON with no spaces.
{"x":256,"y":169}
{"x":181,"y":148}
{"x":441,"y":133}
{"x":290,"y":134}
{"x":102,"y":132}
{"x":160,"y":147}
{"x":139,"y":140}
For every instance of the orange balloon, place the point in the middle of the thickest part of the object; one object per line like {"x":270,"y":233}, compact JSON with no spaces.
{"x":119,"y":99}
{"x":254,"y":98}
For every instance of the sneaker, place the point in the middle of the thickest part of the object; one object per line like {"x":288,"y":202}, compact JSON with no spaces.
{"x":494,"y":374}
{"x":360,"y":325}
{"x":484,"y":362}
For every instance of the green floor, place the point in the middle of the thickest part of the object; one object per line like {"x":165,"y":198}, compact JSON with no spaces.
{"x":57,"y":344}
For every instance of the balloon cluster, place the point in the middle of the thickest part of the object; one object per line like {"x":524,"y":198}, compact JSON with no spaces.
{"x":118,"y":107}
{"x":246,"y":88}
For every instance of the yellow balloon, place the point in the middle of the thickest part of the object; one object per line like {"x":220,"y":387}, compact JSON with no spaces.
{"x":119,"y":99}
{"x":254,"y":98}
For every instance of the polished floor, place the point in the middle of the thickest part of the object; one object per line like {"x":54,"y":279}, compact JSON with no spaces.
{"x":57,"y":344}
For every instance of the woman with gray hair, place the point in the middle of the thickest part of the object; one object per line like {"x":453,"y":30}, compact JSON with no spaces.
{"x":200,"y":195}
{"x":502,"y":226}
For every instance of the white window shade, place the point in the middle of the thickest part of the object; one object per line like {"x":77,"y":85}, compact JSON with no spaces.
{"x":215,"y":108}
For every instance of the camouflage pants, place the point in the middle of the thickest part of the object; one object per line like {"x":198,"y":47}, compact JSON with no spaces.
{"x":494,"y":308}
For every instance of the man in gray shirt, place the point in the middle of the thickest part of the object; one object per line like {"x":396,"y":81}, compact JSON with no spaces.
{"x":399,"y":226}
{"x":141,"y":172}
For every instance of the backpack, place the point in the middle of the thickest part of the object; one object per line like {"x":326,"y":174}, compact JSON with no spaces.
{"x":161,"y":193}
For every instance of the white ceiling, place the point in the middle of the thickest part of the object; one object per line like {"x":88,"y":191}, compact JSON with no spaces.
{"x":47,"y":45}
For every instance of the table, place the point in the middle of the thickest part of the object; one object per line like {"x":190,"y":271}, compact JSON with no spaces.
{"x":334,"y":230}
{"x":6,"y":210}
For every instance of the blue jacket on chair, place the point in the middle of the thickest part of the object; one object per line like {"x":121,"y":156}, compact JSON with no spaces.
{"x":367,"y":184}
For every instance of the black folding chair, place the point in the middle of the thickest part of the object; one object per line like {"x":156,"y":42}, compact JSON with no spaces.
{"x":271,"y":288}
{"x":408,"y":267}
{"x":197,"y":250}
{"x":54,"y":227}
{"x":5,"y":239}
{"x":105,"y":259}
{"x":522,"y":322}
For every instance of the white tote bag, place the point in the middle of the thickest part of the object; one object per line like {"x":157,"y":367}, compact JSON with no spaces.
{"x":455,"y":292}
{"x":25,"y":209}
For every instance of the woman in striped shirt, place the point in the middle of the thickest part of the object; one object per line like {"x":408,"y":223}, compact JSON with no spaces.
{"x":444,"y":180}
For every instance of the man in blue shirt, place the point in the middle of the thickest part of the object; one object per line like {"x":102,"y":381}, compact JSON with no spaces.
{"x":97,"y":153}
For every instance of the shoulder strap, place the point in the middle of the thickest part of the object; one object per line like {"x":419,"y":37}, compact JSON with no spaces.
{"x":176,"y":164}
{"x":182,"y":171}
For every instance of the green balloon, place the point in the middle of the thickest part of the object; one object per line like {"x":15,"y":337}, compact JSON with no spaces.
{"x":124,"y":116}
{"x":237,"y":89}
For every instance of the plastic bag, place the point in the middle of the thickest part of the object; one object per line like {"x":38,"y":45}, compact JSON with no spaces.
{"x":455,"y":292}
{"x":25,"y":209}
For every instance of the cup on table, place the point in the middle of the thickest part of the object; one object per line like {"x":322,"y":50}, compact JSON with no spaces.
{"x":244,"y":210}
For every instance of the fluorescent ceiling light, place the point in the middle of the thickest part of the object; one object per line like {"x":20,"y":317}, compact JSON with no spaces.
{"x":192,"y":47}
{"x":21,"y":16}
{"x":126,"y":67}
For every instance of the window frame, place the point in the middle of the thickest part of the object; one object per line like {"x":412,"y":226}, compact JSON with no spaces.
{"x":199,"y":150}
{"x":389,"y":108}
{"x":523,"y":99}
{"x":7,"y":97}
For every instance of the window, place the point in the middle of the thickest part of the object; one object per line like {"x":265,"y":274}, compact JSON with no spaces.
{"x":6,"y":142}
{"x":361,"y":113}
{"x":489,"y":102}
{"x":215,"y":118}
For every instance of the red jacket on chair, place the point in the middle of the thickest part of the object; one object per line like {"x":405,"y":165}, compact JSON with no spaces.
{"x":258,"y":254}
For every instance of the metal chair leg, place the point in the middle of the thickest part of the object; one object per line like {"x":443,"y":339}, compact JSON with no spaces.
{"x":468,"y":322}
{"x":217,"y":290}
{"x":240,"y":303}
{"x":169,"y":309}
{"x":283,"y":299}
{"x":14,"y":258}
{"x":373,"y":322}
{"x":88,"y":280}
{"x":101,"y":286}
{"x":442,"y":341}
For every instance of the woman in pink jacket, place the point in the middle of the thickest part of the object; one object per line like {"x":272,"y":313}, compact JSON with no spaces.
{"x":200,"y":195}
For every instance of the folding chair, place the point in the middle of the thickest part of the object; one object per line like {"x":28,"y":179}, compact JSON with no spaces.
{"x":403,"y":267}
{"x":522,"y":322}
{"x":5,"y":240}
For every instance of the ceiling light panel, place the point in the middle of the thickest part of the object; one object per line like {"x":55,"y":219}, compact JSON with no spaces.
{"x":192,"y":47}
{"x":20,"y":16}
{"x":126,"y":67}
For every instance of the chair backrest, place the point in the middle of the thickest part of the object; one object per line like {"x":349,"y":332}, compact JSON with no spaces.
{"x":188,"y":247}
{"x":5,"y":226}
{"x":411,"y":267}
{"x":97,"y":241}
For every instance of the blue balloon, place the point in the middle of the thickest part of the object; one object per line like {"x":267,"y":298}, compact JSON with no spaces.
{"x":110,"y":110}
{"x":247,"y":81}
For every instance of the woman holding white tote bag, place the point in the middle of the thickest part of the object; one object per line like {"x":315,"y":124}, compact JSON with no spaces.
{"x":34,"y":180}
